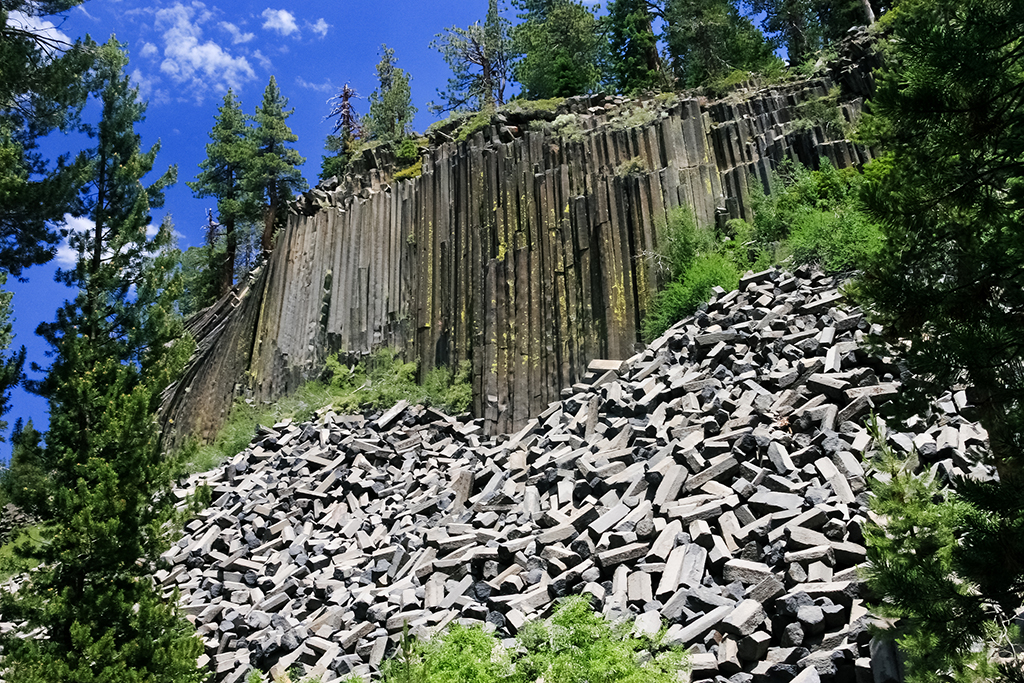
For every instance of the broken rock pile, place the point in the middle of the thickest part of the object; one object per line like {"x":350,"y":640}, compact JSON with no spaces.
{"x":715,"y":482}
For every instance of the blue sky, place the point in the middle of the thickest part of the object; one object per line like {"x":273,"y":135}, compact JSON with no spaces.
{"x":184,"y":56}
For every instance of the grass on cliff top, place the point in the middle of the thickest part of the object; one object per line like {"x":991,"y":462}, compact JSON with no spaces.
{"x":376,"y":383}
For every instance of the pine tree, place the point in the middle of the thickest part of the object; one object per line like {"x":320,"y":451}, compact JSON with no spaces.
{"x":273,"y":175}
{"x":116,"y":346}
{"x":634,"y":63}
{"x":41,"y":91}
{"x":343,"y":135}
{"x":10,"y":364}
{"x":26,"y":482}
{"x":222,"y":175}
{"x":391,"y":110}
{"x":480,"y":58}
{"x":948,"y":290}
{"x":558,"y":46}
{"x":708,"y":39}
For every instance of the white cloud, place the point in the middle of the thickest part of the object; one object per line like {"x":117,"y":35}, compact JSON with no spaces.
{"x":190,"y":61}
{"x":263,"y":60}
{"x":67,"y":256}
{"x":237,"y":36}
{"x":148,"y":89}
{"x":149,"y":50}
{"x":326,"y":86}
{"x":56,"y":40}
{"x":320,"y":27}
{"x":280,"y":20}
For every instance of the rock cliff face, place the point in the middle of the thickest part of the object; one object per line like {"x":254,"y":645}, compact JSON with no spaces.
{"x":525,"y":249}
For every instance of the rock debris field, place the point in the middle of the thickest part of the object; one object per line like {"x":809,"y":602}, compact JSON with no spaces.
{"x":715,"y":483}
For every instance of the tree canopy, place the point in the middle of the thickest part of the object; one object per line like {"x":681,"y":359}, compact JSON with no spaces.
{"x":222,"y":176}
{"x":391,"y":109}
{"x":480,"y":58}
{"x":42,"y":89}
{"x":948,"y":289}
{"x":117,"y":344}
{"x":558,"y":49}
{"x":272,"y":174}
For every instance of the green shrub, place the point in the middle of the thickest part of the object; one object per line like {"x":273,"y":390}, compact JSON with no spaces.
{"x":575,"y":645}
{"x":462,"y":653}
{"x":567,"y":126}
{"x":823,"y":111}
{"x":408,"y":152}
{"x":680,"y":240}
{"x":837,"y":241}
{"x":452,"y":391}
{"x":474,"y":124}
{"x":632,"y":114}
{"x":414,"y":171}
{"x":532,"y":107}
{"x":634,"y":166}
{"x":378,"y":382}
{"x":683,"y":296}
{"x":814,"y":217}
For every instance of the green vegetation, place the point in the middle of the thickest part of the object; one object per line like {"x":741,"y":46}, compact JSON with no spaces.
{"x":480,"y":60}
{"x":574,"y":645}
{"x":823,"y":111}
{"x":116,"y":346}
{"x":708,"y":39}
{"x":558,"y":49}
{"x":378,"y":382}
{"x":633,"y":63}
{"x":948,"y":289}
{"x":391,"y":108}
{"x":12,"y":562}
{"x":222,"y":176}
{"x":24,"y":480}
{"x":930,"y":571}
{"x":811,"y":217}
{"x":634,"y":166}
{"x":814,"y":217}
{"x":272,"y":175}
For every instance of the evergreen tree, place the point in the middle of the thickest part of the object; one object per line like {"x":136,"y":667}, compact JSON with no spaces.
{"x":343,"y":136}
{"x":708,"y":39}
{"x":634,"y":64}
{"x":222,"y":175}
{"x":116,"y":346}
{"x":10,"y":365}
{"x":391,"y":109}
{"x":41,"y":91}
{"x":792,"y":25}
{"x":558,"y":45}
{"x":26,"y":481}
{"x":273,"y":175}
{"x":480,"y":58}
{"x":948,"y":287}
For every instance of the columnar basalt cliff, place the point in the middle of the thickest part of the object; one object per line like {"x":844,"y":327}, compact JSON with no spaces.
{"x":526,"y":249}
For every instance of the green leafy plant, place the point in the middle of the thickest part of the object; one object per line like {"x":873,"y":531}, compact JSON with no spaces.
{"x":574,"y":645}
{"x":823,"y":111}
{"x":943,"y":562}
{"x":682,"y":297}
{"x":377,"y":382}
{"x":634,"y":166}
{"x":567,"y":126}
{"x":814,"y":217}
